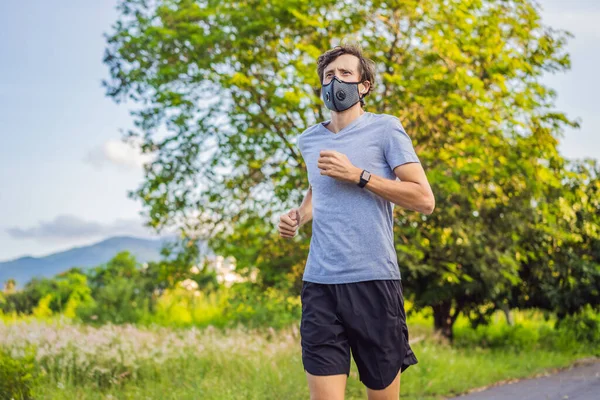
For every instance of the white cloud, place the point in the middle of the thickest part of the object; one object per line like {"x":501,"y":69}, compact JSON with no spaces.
{"x":68,"y":227}
{"x":123,"y":154}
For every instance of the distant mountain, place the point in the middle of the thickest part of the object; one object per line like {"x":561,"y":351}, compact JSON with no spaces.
{"x":25,"y":268}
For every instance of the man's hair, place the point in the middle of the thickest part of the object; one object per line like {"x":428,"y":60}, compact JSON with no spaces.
{"x":366,"y":66}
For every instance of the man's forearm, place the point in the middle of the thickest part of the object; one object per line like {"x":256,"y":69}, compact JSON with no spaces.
{"x":306,"y":207}
{"x":409,"y":195}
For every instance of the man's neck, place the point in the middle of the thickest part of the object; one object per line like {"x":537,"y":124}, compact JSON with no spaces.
{"x":339,"y":120}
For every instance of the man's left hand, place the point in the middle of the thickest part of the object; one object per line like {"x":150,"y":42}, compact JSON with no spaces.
{"x":337,"y":165}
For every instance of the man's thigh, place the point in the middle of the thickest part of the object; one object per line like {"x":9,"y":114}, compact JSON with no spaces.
{"x":327,"y":387}
{"x":392,"y":392}
{"x":325,"y":346}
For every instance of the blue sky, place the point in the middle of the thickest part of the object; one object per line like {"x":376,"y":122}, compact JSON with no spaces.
{"x":64,"y":174}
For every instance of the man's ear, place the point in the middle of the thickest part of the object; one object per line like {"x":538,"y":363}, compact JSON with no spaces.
{"x":366,"y":87}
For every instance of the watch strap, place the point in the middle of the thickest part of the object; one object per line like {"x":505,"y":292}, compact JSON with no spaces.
{"x":364,"y":181}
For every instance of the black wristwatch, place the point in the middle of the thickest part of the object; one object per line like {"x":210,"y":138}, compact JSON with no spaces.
{"x":364,"y":178}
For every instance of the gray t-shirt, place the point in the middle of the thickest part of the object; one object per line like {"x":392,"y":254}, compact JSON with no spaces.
{"x":352,"y":236}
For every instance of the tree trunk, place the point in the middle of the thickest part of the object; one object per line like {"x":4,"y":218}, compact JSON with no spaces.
{"x":507,"y":314}
{"x":443,"y":320}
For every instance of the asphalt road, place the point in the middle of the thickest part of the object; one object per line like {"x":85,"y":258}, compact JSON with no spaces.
{"x":576,"y":383}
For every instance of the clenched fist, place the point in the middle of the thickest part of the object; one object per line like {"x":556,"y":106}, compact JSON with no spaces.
{"x":289,"y":223}
{"x":337,"y":165}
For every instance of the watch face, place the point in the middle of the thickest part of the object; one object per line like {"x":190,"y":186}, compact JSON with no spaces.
{"x":366,"y":175}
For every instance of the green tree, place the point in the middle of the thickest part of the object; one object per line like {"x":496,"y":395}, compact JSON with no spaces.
{"x":176,"y":265}
{"x":224,"y":89}
{"x":26,"y":299}
{"x":116,"y":291}
{"x":9,"y":285}
{"x":561,"y":258}
{"x":58,"y":291}
{"x":123,"y":290}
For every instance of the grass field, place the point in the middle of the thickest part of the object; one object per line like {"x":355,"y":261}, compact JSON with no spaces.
{"x":127,"y":362}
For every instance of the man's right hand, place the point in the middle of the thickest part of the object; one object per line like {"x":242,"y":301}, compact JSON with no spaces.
{"x":289,"y":223}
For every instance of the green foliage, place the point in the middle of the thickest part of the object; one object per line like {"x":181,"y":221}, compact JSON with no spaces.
{"x":116,"y":293}
{"x":119,"y":291}
{"x":582,"y":328}
{"x":63,"y":289}
{"x":578,"y":333}
{"x":125,"y":292}
{"x":18,"y":374}
{"x":180,"y":308}
{"x":250,"y":305}
{"x":75,"y":301}
{"x":232,"y":86}
{"x":42,"y":310}
{"x":561,"y":259}
{"x":516,"y":337}
{"x":118,"y":302}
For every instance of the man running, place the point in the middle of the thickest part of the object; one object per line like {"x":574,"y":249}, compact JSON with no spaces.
{"x":352,"y":298}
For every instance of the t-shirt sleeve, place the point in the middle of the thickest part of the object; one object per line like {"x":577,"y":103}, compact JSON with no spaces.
{"x":397,"y":145}
{"x":299,"y":143}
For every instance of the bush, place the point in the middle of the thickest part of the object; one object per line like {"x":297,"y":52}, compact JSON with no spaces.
{"x":497,"y":335}
{"x":576,"y":333}
{"x":42,"y":310}
{"x":254,"y":307}
{"x":18,"y":375}
{"x":183,"y":308}
{"x":583,"y":326}
{"x":118,"y":302}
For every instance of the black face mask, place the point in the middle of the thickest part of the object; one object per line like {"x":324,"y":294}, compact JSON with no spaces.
{"x":339,"y":95}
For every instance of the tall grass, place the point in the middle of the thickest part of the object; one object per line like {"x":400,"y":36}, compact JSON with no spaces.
{"x":73,"y":360}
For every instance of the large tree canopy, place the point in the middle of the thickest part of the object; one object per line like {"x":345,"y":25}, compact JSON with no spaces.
{"x":223,"y":89}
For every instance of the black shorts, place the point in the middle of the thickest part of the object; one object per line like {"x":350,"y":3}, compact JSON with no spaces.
{"x":366,"y":317}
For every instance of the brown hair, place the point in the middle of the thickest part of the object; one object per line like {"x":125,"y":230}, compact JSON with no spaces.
{"x":366,"y":66}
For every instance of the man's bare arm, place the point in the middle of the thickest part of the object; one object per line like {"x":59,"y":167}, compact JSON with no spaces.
{"x":412,"y":191}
